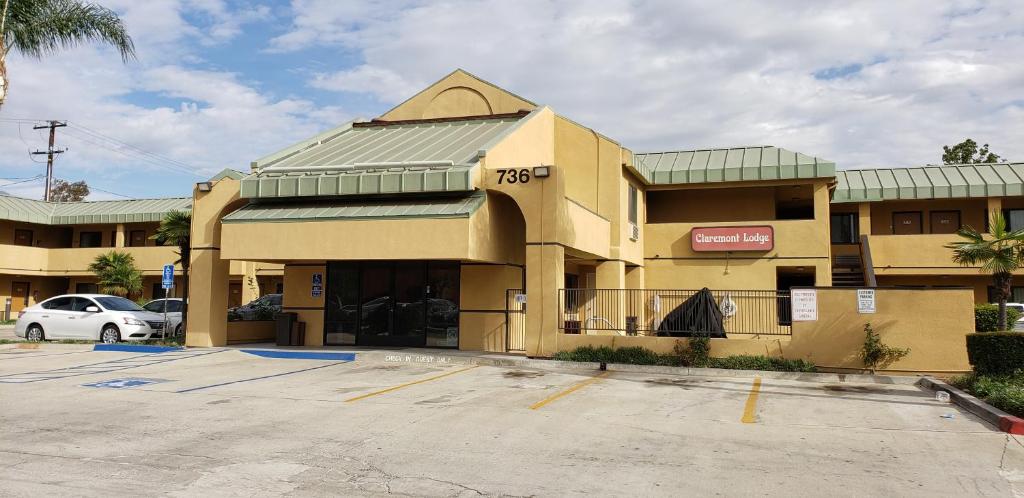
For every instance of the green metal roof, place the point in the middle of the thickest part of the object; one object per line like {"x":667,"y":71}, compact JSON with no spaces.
{"x":460,"y":206}
{"x":380,"y":158}
{"x":90,"y":212}
{"x":929,"y":182}
{"x":729,"y":165}
{"x":229,"y":173}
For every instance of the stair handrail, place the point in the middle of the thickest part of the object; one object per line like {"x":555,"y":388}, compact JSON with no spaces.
{"x":867,"y":266}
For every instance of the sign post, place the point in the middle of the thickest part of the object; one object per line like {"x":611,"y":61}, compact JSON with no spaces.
{"x":168,"y":284}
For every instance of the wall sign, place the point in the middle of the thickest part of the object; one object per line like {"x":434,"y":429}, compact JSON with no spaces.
{"x":758,"y":238}
{"x":318,"y":285}
{"x":804,"y":305}
{"x":865,"y":300}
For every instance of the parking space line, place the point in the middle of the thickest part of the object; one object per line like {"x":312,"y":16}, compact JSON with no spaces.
{"x":282,"y":374}
{"x":407,"y":384}
{"x":750,"y":408}
{"x":575,"y":387}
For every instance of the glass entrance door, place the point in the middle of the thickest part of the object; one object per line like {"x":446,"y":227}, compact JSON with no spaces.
{"x":403,"y":303}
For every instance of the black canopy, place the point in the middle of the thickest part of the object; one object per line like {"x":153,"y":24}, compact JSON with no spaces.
{"x":698,"y":315}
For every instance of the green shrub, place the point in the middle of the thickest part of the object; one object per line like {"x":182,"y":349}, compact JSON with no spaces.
{"x":586,"y":354}
{"x":1005,"y":392}
{"x":751,"y":362}
{"x":995,"y":353}
{"x":986,"y":317}
{"x":876,"y":354}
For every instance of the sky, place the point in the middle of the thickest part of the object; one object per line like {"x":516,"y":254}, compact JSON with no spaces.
{"x":219,"y":83}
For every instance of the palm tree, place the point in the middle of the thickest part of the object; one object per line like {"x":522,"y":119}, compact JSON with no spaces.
{"x":999,"y":252}
{"x":117,"y":274}
{"x":36,"y":28}
{"x":176,"y":229}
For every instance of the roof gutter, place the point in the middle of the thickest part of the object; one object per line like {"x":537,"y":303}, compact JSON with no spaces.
{"x":376,"y":165}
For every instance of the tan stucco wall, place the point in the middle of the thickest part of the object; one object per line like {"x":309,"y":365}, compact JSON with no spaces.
{"x":298,"y":298}
{"x":972,"y":212}
{"x":482,"y":304}
{"x":458,"y":94}
{"x":250,"y":331}
{"x":932,"y":323}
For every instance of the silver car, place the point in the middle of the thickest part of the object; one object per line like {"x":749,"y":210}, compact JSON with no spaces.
{"x":174,"y":305}
{"x":91,"y":317}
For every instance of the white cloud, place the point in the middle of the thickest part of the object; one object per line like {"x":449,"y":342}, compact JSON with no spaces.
{"x":672,"y":74}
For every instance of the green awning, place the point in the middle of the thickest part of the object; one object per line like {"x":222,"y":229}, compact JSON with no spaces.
{"x":729,"y":165}
{"x":89,"y":212}
{"x":929,"y":182}
{"x":461,"y":206}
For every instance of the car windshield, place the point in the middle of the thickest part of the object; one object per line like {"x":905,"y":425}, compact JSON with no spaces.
{"x":114,"y":303}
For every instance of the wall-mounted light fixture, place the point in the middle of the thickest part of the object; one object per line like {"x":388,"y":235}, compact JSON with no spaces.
{"x":204,"y":186}
{"x":541,"y":171}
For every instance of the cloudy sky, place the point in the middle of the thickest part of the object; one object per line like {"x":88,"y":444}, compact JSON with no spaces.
{"x":218,"y":83}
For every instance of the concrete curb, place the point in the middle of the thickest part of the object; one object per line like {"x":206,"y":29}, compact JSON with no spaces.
{"x":498,"y":360}
{"x":45,"y":346}
{"x":1004,"y":421}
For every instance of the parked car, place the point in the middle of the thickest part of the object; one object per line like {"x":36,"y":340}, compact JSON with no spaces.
{"x":271,"y":303}
{"x":174,"y":305}
{"x":1019,"y":326}
{"x":94,"y":317}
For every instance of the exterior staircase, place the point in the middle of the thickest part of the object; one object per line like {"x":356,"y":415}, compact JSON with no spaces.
{"x":855,"y":270}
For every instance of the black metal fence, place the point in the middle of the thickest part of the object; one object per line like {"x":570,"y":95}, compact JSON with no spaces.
{"x":652,"y":312}
{"x":515,"y":320}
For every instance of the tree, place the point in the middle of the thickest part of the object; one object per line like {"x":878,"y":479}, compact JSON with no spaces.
{"x":999,"y":252}
{"x":176,"y":230}
{"x":37,"y":28}
{"x":117,"y":274}
{"x":967,"y":152}
{"x":64,"y":191}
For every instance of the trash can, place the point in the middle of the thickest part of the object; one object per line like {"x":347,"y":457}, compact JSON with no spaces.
{"x":283,"y":327}
{"x":298,"y":334}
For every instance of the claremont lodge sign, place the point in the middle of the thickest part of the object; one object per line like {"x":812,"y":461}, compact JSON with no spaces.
{"x":759,"y":238}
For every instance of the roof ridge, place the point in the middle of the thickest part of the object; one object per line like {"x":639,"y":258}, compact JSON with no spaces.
{"x":708,"y":149}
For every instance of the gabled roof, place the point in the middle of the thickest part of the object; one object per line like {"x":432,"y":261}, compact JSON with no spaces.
{"x":929,"y":182}
{"x":729,"y":165}
{"x":458,"y":206}
{"x":89,"y":212}
{"x":430,"y":155}
{"x":232,"y":174}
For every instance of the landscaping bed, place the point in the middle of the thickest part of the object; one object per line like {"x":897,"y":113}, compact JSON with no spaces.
{"x":1005,"y":392}
{"x":693,"y":356}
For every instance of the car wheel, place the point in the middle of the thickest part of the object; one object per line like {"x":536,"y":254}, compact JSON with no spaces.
{"x":177,"y":331}
{"x":34,"y":334}
{"x":110,"y":334}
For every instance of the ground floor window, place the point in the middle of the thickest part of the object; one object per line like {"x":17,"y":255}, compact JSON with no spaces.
{"x":392,"y":303}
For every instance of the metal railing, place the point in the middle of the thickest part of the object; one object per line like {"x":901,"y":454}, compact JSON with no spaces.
{"x":674,"y":312}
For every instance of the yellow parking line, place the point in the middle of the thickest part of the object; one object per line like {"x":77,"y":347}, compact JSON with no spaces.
{"x":407,"y":384}
{"x":574,"y":388}
{"x":751,"y":406}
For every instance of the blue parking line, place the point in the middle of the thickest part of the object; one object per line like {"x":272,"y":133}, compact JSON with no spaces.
{"x":101,"y":367}
{"x":259,"y":378}
{"x":300,"y":355}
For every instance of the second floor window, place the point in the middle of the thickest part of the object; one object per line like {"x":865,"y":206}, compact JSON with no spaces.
{"x":23,"y":237}
{"x":633,"y":205}
{"x":1014,"y":219}
{"x":844,"y":228}
{"x":90,"y":239}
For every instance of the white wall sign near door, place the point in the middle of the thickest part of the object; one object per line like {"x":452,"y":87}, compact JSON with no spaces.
{"x":804,"y":304}
{"x":865,"y":300}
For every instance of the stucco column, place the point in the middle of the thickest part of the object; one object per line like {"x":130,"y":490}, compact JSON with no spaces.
{"x":250,"y":284}
{"x":864,"y":218}
{"x":995,"y":205}
{"x":545,"y":275}
{"x":119,"y":236}
{"x":610,"y":301}
{"x":208,"y":298}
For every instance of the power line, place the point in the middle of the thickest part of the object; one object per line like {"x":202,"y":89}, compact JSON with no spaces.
{"x":183,"y":166}
{"x":34,"y":178}
{"x":50,"y":152}
{"x":129,"y":154}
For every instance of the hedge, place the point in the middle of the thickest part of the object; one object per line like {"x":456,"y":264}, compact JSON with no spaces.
{"x":996,"y":353}
{"x":986,"y":317}
{"x":637,"y":355}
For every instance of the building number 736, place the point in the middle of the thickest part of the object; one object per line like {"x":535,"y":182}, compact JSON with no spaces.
{"x":513,"y":176}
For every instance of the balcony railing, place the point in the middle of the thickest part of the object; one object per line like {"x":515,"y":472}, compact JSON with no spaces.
{"x":675,"y":312}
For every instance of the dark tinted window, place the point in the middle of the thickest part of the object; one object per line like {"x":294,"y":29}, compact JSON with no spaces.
{"x":81,"y":304}
{"x":173,"y":306}
{"x":844,"y":228}
{"x":59,"y":303}
{"x":90,"y":239}
{"x":274,"y":299}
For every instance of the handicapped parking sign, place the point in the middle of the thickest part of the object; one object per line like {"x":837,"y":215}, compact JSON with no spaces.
{"x":317,"y":288}
{"x":168,"y":280}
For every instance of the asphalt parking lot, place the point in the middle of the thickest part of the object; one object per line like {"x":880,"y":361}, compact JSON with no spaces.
{"x":222,"y":422}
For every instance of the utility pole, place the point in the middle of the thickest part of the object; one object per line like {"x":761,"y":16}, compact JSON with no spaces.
{"x":50,"y":151}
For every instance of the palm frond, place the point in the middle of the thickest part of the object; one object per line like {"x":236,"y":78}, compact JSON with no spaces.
{"x":36,"y":28}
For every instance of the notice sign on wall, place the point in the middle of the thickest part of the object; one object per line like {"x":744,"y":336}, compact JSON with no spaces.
{"x":865,"y":300}
{"x":760,"y":238}
{"x":318,"y":285}
{"x":804,"y":305}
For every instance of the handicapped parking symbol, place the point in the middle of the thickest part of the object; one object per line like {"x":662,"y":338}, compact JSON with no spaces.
{"x":122,"y":383}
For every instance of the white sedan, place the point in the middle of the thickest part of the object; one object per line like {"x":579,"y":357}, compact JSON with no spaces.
{"x":173,"y":312}
{"x":93,"y":317}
